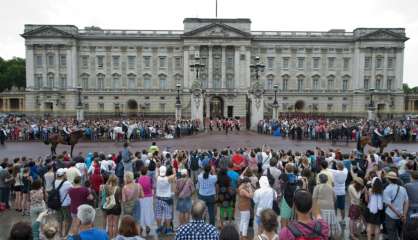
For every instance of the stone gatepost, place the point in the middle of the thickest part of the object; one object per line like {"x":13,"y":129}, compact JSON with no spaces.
{"x":257,"y":104}
{"x":197,"y":105}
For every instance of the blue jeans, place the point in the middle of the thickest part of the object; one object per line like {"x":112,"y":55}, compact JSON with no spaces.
{"x":393,"y":228}
{"x":210,"y":203}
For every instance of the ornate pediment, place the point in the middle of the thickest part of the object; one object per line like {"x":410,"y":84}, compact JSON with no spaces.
{"x":47,"y":32}
{"x":217,"y":30}
{"x":382,"y":35}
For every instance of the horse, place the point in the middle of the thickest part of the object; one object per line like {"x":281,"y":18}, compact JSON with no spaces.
{"x":367,"y":140}
{"x":127,"y":133}
{"x":55,"y":138}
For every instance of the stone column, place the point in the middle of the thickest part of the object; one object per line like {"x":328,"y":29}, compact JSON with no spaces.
{"x":186,"y":68}
{"x":257,"y":110}
{"x":70,"y":65}
{"x":223,"y":67}
{"x":74,"y":69}
{"x":56,"y":67}
{"x":385,"y":71}
{"x":372,"y":83}
{"x":247,"y":71}
{"x":210,"y":68}
{"x":30,"y":82}
{"x":45,"y":68}
{"x":399,"y":69}
{"x":236,"y":67}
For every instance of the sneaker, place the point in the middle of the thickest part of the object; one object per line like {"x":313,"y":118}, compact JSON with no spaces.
{"x":160,"y":230}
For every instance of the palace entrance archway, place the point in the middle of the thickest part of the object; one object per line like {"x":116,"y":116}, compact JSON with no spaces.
{"x":216,"y":107}
{"x":299,"y":105}
{"x":132,"y":107}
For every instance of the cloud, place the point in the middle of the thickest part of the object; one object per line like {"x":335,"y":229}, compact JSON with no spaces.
{"x":320,"y":15}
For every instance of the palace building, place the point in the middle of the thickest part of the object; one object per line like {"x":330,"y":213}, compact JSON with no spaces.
{"x":136,"y":71}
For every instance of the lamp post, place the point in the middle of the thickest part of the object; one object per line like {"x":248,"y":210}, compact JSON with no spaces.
{"x":178,"y":103}
{"x":275,"y":103}
{"x":371,"y":109}
{"x":257,"y":67}
{"x":80,"y":110}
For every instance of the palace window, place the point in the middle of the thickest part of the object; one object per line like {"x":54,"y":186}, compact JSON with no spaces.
{"x":38,"y":61}
{"x":379,"y":62}
{"x":85,"y":82}
{"x":285,"y":63}
{"x":63,"y":81}
{"x":38,"y":81}
{"x":367,"y":61}
{"x":177,"y":63}
{"x":100,"y":81}
{"x":378,"y":82}
{"x":162,"y":107}
{"x":163,"y":81}
{"x":344,"y":107}
{"x":300,"y":83}
{"x":269,"y":82}
{"x":85,"y":61}
{"x":63,"y":61}
{"x":116,"y":82}
{"x":50,"y":80}
{"x":301,"y":63}
{"x":230,"y":81}
{"x":315,"y":63}
{"x":345,"y":84}
{"x":285,"y":82}
{"x":51,"y":60}
{"x":101,"y":107}
{"x":270,"y":62}
{"x":147,"y":81}
{"x":147,"y":61}
{"x":131,"y":62}
{"x":315,"y":82}
{"x":330,"y":106}
{"x":163,"y":62}
{"x":131,"y":81}
{"x":366,"y":82}
{"x":346,"y":64}
{"x":330,"y":82}
{"x":217,"y":81}
{"x":229,"y":62}
{"x":100,"y":62}
{"x":391,"y":80}
{"x":331,"y":62}
{"x":116,"y":62}
{"x":391,"y":62}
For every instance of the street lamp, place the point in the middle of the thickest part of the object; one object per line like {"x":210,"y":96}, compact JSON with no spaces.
{"x":80,"y":104}
{"x":257,"y":67}
{"x":178,"y":94}
{"x":371,"y":115}
{"x":276,"y":88}
{"x":80,"y":112}
{"x":197,"y":66}
{"x":371,"y":103}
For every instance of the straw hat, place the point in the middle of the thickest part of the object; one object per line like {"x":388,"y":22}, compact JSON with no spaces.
{"x":392,"y":175}
{"x":359,"y":181}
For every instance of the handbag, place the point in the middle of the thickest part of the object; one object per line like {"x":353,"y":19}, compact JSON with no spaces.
{"x":110,"y":201}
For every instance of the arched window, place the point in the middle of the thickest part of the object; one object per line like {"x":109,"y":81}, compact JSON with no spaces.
{"x":300,"y":82}
{"x":315,"y":82}
{"x":331,"y":80}
{"x":50,"y":80}
{"x":147,"y":81}
{"x":346,"y":82}
{"x":379,"y":80}
{"x":230,"y":81}
{"x":100,"y":81}
{"x":285,"y":79}
{"x":131,"y":81}
{"x":116,"y":81}
{"x":269,"y":81}
{"x":85,"y":81}
{"x":163,"y":81}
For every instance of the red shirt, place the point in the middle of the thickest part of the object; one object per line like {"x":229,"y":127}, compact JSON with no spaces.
{"x":96,"y":180}
{"x":238,"y":161}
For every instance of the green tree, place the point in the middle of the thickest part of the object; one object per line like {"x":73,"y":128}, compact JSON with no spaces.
{"x":12,"y":73}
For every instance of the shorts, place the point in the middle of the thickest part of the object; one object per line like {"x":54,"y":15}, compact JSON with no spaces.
{"x":63,"y":214}
{"x":18,"y":188}
{"x":354,"y":212}
{"x":184,"y":205}
{"x":163,"y":210}
{"x":340,"y":202}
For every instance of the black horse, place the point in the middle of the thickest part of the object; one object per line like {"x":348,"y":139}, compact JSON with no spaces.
{"x":2,"y":136}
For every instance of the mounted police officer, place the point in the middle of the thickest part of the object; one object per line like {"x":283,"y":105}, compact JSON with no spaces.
{"x":3,"y":135}
{"x":67,"y":133}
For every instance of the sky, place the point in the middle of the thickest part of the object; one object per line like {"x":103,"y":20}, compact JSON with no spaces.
{"x":275,"y":15}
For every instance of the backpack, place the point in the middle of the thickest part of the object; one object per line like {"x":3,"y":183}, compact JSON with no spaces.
{"x":152,"y":166}
{"x":315,"y":232}
{"x":270,"y":177}
{"x":194,"y":163}
{"x":54,"y":200}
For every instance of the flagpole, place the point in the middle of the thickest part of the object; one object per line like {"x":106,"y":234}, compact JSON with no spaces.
{"x":216,"y":9}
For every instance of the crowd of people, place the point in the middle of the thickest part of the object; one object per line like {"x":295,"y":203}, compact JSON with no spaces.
{"x":214,"y":194}
{"x":13,"y":128}
{"x":307,"y":127}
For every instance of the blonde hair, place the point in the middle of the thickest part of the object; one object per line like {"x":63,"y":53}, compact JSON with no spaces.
{"x":112,"y":181}
{"x":49,"y":227}
{"x":129,"y":177}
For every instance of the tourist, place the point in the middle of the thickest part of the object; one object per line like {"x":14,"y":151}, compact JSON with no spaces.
{"x":37,"y":203}
{"x":96,"y":180}
{"x":63,"y":214}
{"x":269,"y":225}
{"x":339,"y":179}
{"x":6,"y":180}
{"x":229,"y":232}
{"x":374,"y":210}
{"x":146,"y":203}
{"x":289,"y":184}
{"x":128,"y":229}
{"x":197,"y":229}
{"x":49,"y":178}
{"x":112,"y":204}
{"x":72,"y":172}
{"x":184,"y":190}
{"x":207,"y":190}
{"x":412,"y":190}
{"x":263,"y":199}
{"x":245,"y":193}
{"x":396,"y":200}
{"x":48,"y":227}
{"x":164,"y":200}
{"x":79,"y":195}
{"x":304,"y":227}
{"x":27,"y":181}
{"x":21,"y":231}
{"x":86,"y":217}
{"x":131,"y":192}
{"x":354,"y":212}
{"x":324,"y":199}
{"x":224,"y":197}
{"x":18,"y":187}
{"x":325,"y":170}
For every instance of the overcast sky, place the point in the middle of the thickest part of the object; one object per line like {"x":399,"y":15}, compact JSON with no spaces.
{"x":309,"y":15}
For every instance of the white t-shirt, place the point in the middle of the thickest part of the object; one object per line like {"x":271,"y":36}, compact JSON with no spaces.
{"x":339,"y":177}
{"x":263,"y":199}
{"x":64,"y":197}
{"x":163,"y":187}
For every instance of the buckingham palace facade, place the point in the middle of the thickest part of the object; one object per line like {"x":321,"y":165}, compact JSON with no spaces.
{"x":137,"y":71}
